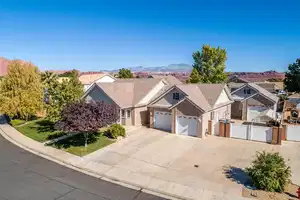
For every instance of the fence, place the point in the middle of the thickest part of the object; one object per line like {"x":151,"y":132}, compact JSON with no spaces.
{"x":292,"y":133}
{"x":251,"y":132}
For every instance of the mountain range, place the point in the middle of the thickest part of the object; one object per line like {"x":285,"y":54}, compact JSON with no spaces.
{"x":181,"y":67}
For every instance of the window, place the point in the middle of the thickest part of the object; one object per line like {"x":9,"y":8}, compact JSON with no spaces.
{"x":123,"y":113}
{"x":247,"y":91}
{"x":212,"y":115}
{"x":128,"y":113}
{"x":176,"y":96}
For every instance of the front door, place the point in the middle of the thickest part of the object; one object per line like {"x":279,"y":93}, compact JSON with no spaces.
{"x":126,"y":117}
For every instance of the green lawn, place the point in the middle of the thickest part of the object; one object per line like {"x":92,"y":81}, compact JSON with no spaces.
{"x":75,"y":144}
{"x":17,"y":122}
{"x":40,"y":130}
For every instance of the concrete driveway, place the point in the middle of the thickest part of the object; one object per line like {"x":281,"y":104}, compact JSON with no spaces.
{"x":193,"y":162}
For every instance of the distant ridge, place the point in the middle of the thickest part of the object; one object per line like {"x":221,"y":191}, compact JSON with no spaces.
{"x":181,"y":67}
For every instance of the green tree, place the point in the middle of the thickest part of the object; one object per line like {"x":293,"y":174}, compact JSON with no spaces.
{"x":194,"y":77}
{"x":21,"y":91}
{"x":210,"y":64}
{"x":269,"y":172}
{"x":49,"y":78}
{"x":68,"y":73}
{"x":125,"y":73}
{"x":292,"y":77}
{"x":61,"y":94}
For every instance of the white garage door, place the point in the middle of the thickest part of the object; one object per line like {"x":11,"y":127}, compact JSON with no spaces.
{"x":186,"y":125}
{"x":254,"y":111}
{"x":163,"y":120}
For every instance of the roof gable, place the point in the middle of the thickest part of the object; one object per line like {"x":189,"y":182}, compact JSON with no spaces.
{"x":211,"y":92}
{"x":90,"y":78}
{"x":259,"y":90}
{"x":223,"y":98}
{"x":128,"y":93}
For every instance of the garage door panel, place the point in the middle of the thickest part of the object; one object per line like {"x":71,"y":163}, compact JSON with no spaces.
{"x":186,"y":125}
{"x":163,"y":120}
{"x":254,"y":111}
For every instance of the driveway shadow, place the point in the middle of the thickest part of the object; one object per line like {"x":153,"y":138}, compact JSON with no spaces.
{"x":237,"y":175}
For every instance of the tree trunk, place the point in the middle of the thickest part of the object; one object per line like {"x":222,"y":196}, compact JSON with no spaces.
{"x":86,"y":135}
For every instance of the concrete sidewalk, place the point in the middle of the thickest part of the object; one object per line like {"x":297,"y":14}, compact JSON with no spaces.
{"x":117,"y":175}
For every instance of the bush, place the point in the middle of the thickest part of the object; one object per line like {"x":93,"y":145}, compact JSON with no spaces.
{"x":115,"y":130}
{"x":269,"y":172}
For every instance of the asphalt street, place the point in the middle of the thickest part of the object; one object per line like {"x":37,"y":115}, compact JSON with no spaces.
{"x":25,"y":176}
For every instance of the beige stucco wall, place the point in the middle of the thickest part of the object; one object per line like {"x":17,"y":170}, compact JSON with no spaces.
{"x":188,"y":109}
{"x":223,"y":112}
{"x":96,"y":94}
{"x":223,"y":98}
{"x":152,"y":93}
{"x":167,"y":99}
{"x":141,"y":116}
{"x":105,"y":79}
{"x":204,"y":123}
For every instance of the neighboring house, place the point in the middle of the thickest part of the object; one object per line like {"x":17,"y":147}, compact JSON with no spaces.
{"x":291,"y":108}
{"x":235,"y":83}
{"x":131,"y":95}
{"x":253,"y":103}
{"x":172,"y":80}
{"x":87,"y":79}
{"x":186,"y":109}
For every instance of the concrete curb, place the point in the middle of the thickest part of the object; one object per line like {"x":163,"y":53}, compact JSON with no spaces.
{"x":57,"y":160}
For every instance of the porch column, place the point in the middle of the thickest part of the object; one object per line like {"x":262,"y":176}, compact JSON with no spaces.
{"x":120,"y":118}
{"x":173,"y":123}
{"x":200,"y":131}
{"x":151,"y":117}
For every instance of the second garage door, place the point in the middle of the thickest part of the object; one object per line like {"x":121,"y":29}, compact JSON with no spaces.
{"x":186,"y":125}
{"x":254,"y":111}
{"x":163,"y":120}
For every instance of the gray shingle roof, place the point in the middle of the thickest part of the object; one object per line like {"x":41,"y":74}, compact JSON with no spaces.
{"x":128,"y":93}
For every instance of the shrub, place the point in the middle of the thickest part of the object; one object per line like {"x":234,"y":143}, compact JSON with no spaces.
{"x":115,"y":130}
{"x":269,"y":172}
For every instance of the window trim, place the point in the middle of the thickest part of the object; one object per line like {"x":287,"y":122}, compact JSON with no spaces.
{"x":176,"y":96}
{"x":123,"y":113}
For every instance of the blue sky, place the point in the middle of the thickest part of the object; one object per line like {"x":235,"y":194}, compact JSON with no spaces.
{"x":94,"y":35}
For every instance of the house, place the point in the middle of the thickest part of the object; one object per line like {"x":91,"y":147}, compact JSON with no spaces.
{"x":253,"y":103}
{"x":185,"y":109}
{"x":237,"y":82}
{"x":87,"y":79}
{"x":130,"y":95}
{"x":291,"y":108}
{"x":172,"y":80}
